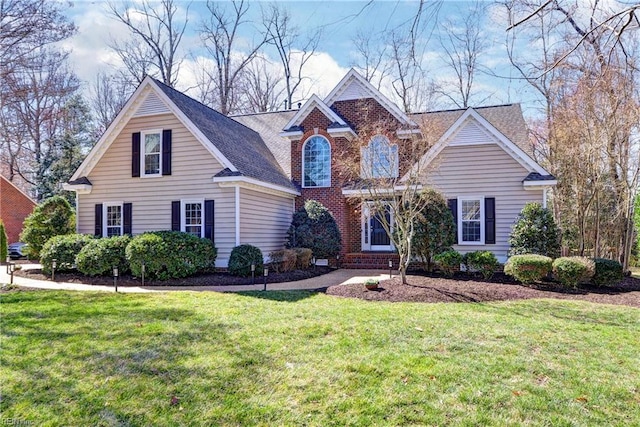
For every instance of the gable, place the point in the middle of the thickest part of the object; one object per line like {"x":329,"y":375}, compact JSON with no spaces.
{"x":151,"y":105}
{"x":471,"y":132}
{"x":353,"y":90}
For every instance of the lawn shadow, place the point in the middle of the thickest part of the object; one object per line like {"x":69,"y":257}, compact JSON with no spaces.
{"x":281,"y":296}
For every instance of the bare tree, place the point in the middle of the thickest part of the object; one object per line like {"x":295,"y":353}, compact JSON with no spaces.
{"x":293,"y":50}
{"x":158,"y":31}
{"x":371,"y":62}
{"x":220,"y":37}
{"x":263,"y":86}
{"x":108,"y":94}
{"x":463,"y":44}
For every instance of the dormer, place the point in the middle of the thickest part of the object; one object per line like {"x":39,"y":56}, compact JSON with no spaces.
{"x":337,"y":127}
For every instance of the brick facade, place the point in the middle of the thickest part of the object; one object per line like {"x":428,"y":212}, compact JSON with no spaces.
{"x":15,"y":206}
{"x":358,"y":114}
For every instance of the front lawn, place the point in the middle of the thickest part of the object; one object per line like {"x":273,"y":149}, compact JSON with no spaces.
{"x":301,"y":358}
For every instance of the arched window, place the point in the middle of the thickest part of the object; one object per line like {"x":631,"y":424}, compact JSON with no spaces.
{"x":316,"y":162}
{"x":379,"y":158}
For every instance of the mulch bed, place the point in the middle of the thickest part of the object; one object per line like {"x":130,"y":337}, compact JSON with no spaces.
{"x":462,"y":288}
{"x":214,"y":279}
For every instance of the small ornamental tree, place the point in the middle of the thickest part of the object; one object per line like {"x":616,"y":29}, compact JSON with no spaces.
{"x":4,"y":245}
{"x":314,"y":227}
{"x":535,"y":232}
{"x":434,"y":227}
{"x":53,"y":217}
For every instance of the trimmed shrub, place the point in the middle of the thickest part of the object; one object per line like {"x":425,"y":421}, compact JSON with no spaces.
{"x":170,"y":255}
{"x":4,"y":244}
{"x":314,"y":227}
{"x":535,"y":232}
{"x":570,"y":271}
{"x":283,"y":260}
{"x":449,"y":261}
{"x":53,"y":217}
{"x":528,"y":268}
{"x":485,"y":262}
{"x":607,"y":272}
{"x":241,"y":259}
{"x":99,"y":256}
{"x":434,"y":227}
{"x":64,"y":249}
{"x":303,"y":257}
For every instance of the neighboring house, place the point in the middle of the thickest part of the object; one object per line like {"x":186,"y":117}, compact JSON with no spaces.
{"x":15,"y":206}
{"x":169,"y":162}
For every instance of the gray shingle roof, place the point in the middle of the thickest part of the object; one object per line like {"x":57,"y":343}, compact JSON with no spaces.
{"x":507,"y":119}
{"x":242,"y":146}
{"x":269,"y":126}
{"x":535,"y":176}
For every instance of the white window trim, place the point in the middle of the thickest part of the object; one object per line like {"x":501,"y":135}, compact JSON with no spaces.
{"x":366,"y":168}
{"x":142,"y":154}
{"x":303,"y":162}
{"x":183,"y":216}
{"x":482,"y":220}
{"x":365,"y":228}
{"x":105,"y":227}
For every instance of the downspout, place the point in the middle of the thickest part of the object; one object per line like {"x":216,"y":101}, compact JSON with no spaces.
{"x":237,"y":215}
{"x":544,"y":197}
{"x":77,"y":213}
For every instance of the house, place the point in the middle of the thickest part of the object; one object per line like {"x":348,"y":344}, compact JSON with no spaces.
{"x":169,"y":162}
{"x":15,"y":206}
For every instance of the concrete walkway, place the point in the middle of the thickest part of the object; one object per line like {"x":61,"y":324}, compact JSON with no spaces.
{"x":337,"y":277}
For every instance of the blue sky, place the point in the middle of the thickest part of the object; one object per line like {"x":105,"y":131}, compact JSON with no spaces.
{"x":340,"y":20}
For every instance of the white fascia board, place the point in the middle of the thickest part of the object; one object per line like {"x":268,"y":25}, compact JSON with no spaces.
{"x":78,"y":188}
{"x":308,"y":106}
{"x":243,"y":181}
{"x":293,"y":135}
{"x":342,"y":132}
{"x":536,"y":185}
{"x":406,"y":133}
{"x":116,"y":126}
{"x":363,"y":192}
{"x":375,"y":94}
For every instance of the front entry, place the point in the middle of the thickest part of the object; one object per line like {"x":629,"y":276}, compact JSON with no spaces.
{"x":374,"y":236}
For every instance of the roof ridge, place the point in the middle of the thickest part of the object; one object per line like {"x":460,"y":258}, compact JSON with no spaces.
{"x":464,"y":109}
{"x":262,"y":113}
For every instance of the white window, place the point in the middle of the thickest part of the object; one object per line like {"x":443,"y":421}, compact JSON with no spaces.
{"x":379,"y":158}
{"x":316,"y":162}
{"x":471,"y":220}
{"x":113,"y":219}
{"x":151,"y":158}
{"x":192,"y":217}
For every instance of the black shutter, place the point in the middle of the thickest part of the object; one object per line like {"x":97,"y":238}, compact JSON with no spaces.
{"x":166,"y":152}
{"x":453,"y":207}
{"x":98,"y":229}
{"x":489,"y":220}
{"x":126,"y":218}
{"x":135,"y":154}
{"x":208,"y":220}
{"x":175,"y":216}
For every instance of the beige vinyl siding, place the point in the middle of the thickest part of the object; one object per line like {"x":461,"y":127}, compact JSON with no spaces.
{"x":193,"y":167}
{"x":487,"y":171}
{"x":264,"y":219}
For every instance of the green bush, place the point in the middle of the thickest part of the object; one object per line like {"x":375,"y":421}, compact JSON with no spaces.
{"x":99,"y":256}
{"x":607,"y":272}
{"x":528,"y":268}
{"x":4,"y":244}
{"x":53,"y":217}
{"x":303,"y":257}
{"x":283,"y":260}
{"x":64,"y":250}
{"x":434,"y":227}
{"x":241,"y":259}
{"x":449,"y":261}
{"x":535,"y":232}
{"x":170,"y":255}
{"x":570,"y":271}
{"x":314,"y":227}
{"x":484,"y":262}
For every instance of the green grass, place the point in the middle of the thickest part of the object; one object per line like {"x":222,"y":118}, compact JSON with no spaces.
{"x":309,"y":359}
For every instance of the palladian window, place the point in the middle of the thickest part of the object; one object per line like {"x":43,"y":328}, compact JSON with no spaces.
{"x":316,"y":162}
{"x":379,"y":159}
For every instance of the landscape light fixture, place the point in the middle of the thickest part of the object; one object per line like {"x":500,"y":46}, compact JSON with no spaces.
{"x":253,"y":273}
{"x":390,"y":267}
{"x":142,"y":268}
{"x":54,"y":264}
{"x":11,"y":267}
{"x":266,"y":273}
{"x":115,"y":278}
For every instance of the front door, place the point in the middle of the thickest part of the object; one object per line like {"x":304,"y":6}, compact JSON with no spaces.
{"x":374,"y":235}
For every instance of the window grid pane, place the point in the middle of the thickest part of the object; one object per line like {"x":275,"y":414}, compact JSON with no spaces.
{"x":114,"y":220}
{"x":152,"y":154}
{"x":193,"y":218}
{"x":317,"y":163}
{"x":471,"y":221}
